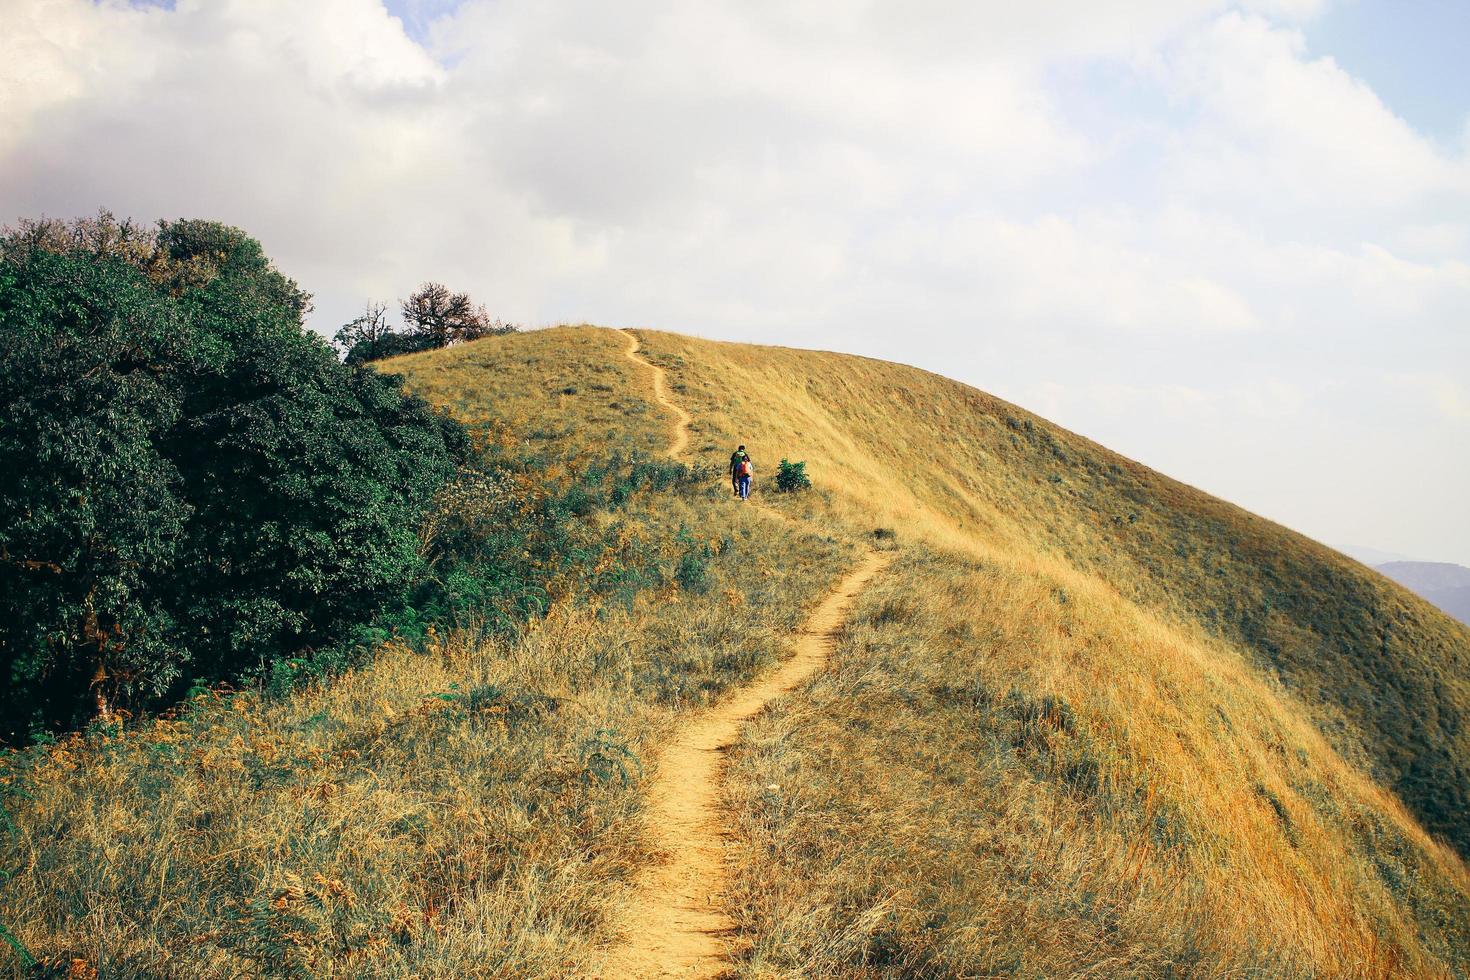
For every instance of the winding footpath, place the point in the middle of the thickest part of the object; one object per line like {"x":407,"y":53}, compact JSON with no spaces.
{"x":676,"y":925}
{"x":661,"y":395}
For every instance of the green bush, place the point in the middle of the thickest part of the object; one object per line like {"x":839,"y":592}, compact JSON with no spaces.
{"x":693,"y":572}
{"x":492,"y":544}
{"x":631,"y":474}
{"x":388,"y":345}
{"x":191,"y":484}
{"x":791,"y":477}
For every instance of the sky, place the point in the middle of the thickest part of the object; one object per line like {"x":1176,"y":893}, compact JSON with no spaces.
{"x":1227,"y":238}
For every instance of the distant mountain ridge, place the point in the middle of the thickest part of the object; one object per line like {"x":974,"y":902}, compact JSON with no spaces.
{"x":1442,"y":583}
{"x":1372,"y":557}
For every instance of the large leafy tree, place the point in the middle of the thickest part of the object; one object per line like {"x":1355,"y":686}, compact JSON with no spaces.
{"x":191,"y":485}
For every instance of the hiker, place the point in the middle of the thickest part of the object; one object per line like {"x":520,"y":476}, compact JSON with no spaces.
{"x":741,"y":471}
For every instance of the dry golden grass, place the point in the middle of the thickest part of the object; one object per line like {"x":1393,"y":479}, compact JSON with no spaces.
{"x":568,"y":390}
{"x":1055,"y":741}
{"x":453,"y":812}
{"x":1385,"y":672}
{"x":1007,"y":770}
{"x":1171,"y":809}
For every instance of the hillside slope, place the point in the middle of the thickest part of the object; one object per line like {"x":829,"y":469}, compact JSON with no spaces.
{"x":1385,"y":672}
{"x":469,"y":804}
{"x":1088,"y":722}
{"x":1178,"y":709}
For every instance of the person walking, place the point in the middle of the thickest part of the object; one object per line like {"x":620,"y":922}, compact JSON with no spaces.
{"x":741,"y":470}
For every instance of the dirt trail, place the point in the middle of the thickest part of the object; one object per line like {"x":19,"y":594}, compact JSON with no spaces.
{"x":661,"y":395}
{"x":676,"y":924}
{"x":682,"y":418}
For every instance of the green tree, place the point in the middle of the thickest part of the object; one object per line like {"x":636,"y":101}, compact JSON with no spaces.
{"x":791,"y":477}
{"x":191,"y":484}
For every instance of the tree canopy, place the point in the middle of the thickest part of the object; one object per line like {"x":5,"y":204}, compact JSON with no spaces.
{"x":191,"y":484}
{"x":434,"y":316}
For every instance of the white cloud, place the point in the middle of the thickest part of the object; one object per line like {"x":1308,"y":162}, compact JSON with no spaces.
{"x":1276,"y":132}
{"x":1159,"y":218}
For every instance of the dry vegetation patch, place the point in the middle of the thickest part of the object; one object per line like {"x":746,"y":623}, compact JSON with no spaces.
{"x":460,"y":810}
{"x":1383,"y":672}
{"x":562,"y":392}
{"x":990,"y":780}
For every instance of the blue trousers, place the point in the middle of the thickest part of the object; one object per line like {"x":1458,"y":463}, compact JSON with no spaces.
{"x":744,"y":487}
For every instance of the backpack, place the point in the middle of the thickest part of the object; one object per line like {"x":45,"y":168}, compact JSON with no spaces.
{"x":744,"y":469}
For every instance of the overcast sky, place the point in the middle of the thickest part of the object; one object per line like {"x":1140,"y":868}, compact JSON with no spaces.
{"x":1228,"y":239}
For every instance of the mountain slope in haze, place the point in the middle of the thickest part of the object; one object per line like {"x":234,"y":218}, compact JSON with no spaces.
{"x":1445,"y":584}
{"x":1372,"y":557}
{"x":1094,"y":721}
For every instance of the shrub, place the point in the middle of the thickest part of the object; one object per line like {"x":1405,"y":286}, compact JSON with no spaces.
{"x":189,"y":479}
{"x":633,"y":473}
{"x":693,"y":572}
{"x":390,"y":344}
{"x":491,"y":545}
{"x":791,"y":477}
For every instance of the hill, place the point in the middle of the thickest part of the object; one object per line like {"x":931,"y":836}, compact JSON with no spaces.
{"x":1248,"y":683}
{"x":1444,"y":584}
{"x":1088,"y":721}
{"x":973,"y":472}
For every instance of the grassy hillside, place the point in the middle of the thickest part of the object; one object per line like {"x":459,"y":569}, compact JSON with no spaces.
{"x":1162,"y":667}
{"x":567,"y":394}
{"x":1008,"y":770}
{"x":461,"y":807}
{"x":1091,"y":723}
{"x":1386,"y":673}
{"x":450,"y":811}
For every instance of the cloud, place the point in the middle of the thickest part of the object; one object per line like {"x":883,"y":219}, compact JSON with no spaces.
{"x":1209,"y":239}
{"x":1273,"y":129}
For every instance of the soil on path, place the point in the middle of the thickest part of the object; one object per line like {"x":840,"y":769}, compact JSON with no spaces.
{"x":676,"y":925}
{"x":661,"y":395}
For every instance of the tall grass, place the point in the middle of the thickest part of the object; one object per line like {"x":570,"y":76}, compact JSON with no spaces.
{"x":1384,"y":673}
{"x":986,"y":782}
{"x":1099,"y":724}
{"x":460,"y":810}
{"x":1038,"y":752}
